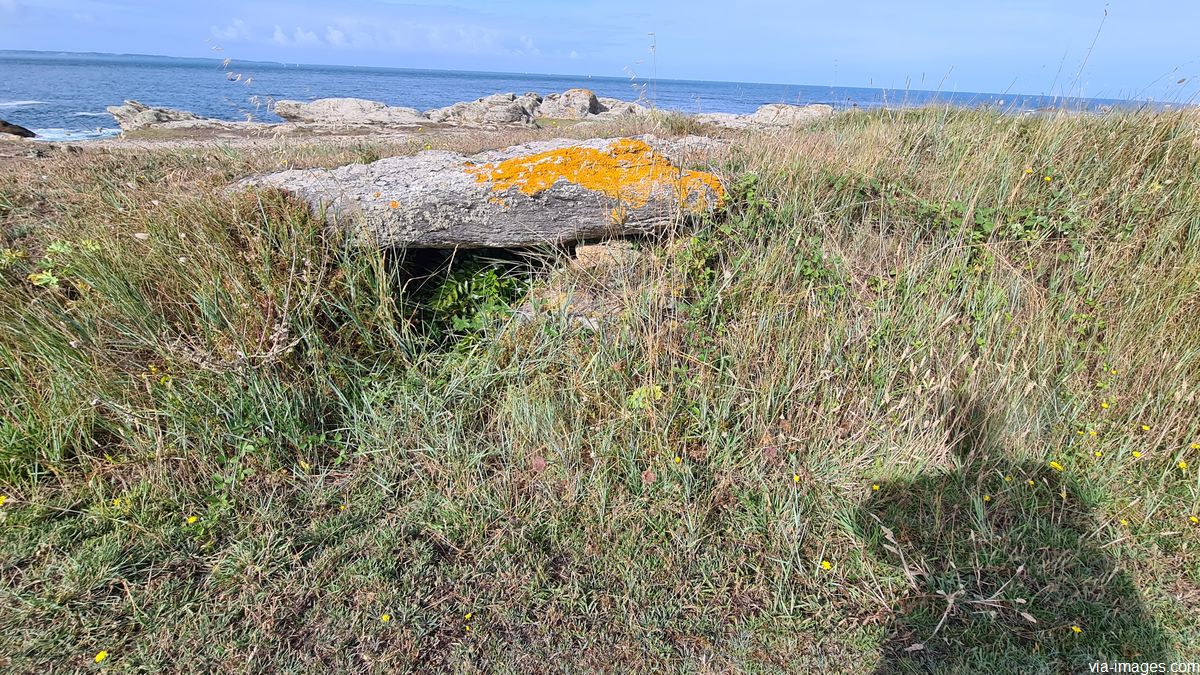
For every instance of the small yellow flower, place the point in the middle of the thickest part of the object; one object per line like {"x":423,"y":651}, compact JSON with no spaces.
{"x":826,"y":565}
{"x":1092,"y":433}
{"x":1008,"y":479}
{"x":1098,"y":453}
{"x":796,"y":478}
{"x":874,"y":488}
{"x":987,"y":498}
{"x":101,"y":655}
{"x":305,"y":465}
{"x":385,"y":618}
{"x":1030,"y":482}
{"x":1113,"y":371}
{"x":1145,"y":428}
{"x":116,"y":502}
{"x":678,"y":459}
{"x":1104,"y":405}
{"x":1195,"y":446}
{"x":1048,"y":179}
{"x":1028,"y":171}
{"x":1056,"y":466}
{"x":1076,"y":629}
{"x":467,"y":628}
{"x":1124,"y":522}
{"x":1137,"y":454}
{"x":1193,"y":520}
{"x":467,"y":616}
{"x":191,"y":520}
{"x":1183,"y":465}
{"x":3,"y":498}
{"x":342,"y":507}
{"x":1080,"y":432}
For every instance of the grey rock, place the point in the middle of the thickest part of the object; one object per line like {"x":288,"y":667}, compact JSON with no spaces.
{"x":770,"y":115}
{"x":572,"y":104}
{"x":615,"y":107}
{"x":133,"y":115}
{"x":15,"y":130}
{"x":490,"y":110}
{"x":348,"y":112}
{"x":444,"y":199}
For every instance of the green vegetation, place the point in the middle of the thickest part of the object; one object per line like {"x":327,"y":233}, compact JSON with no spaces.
{"x":925,"y":397}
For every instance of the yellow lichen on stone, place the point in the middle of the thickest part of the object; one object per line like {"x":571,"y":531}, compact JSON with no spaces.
{"x":629,"y":170}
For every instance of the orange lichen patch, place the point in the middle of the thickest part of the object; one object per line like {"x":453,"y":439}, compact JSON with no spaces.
{"x":629,"y":171}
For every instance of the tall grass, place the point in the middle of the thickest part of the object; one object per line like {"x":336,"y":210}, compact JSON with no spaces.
{"x":880,"y":413}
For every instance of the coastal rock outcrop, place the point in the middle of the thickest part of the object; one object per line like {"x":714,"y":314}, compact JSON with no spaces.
{"x":133,"y":115}
{"x":489,"y":110}
{"x":547,"y":192}
{"x":15,"y":130}
{"x":770,"y":115}
{"x":572,"y":104}
{"x":347,"y":111}
{"x":615,"y":107}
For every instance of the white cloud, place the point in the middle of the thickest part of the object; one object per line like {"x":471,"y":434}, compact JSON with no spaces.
{"x":234,"y":31}
{"x":280,"y":38}
{"x":335,"y":37}
{"x":305,"y":38}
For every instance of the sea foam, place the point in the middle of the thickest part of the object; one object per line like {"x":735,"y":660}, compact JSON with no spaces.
{"x":20,"y":104}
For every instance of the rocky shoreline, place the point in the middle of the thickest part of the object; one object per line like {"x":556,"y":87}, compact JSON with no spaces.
{"x":489,"y":112}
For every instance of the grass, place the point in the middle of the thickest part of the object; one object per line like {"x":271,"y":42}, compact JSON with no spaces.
{"x":880,"y":414}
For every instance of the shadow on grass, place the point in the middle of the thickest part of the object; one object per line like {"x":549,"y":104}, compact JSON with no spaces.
{"x":1005,"y":574}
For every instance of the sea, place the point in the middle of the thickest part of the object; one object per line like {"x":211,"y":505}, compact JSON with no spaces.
{"x":63,"y":96}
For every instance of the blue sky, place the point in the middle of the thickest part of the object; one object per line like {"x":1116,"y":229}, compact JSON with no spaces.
{"x":965,"y":45}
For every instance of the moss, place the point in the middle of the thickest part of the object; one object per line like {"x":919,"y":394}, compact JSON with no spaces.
{"x":628,"y":170}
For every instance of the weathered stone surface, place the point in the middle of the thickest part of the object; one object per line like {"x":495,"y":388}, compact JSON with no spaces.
{"x":489,"y":110}
{"x":132,"y":115}
{"x":546,"y":192}
{"x":615,"y":107}
{"x":572,"y":104}
{"x":770,"y":115}
{"x":15,"y":130}
{"x":347,"y":111}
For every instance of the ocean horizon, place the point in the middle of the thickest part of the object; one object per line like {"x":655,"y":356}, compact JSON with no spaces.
{"x":33,"y":95}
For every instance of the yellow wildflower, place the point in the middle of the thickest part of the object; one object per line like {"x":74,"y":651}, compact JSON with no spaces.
{"x":796,"y":478}
{"x":1104,"y":405}
{"x":1008,"y":479}
{"x":1076,"y":629}
{"x":1098,"y":453}
{"x":116,"y":502}
{"x":1195,"y":446}
{"x":1145,"y":428}
{"x":305,"y":465}
{"x":1092,"y":432}
{"x":1183,"y":465}
{"x":874,"y":488}
{"x":1124,"y":522}
{"x":3,"y":498}
{"x":1030,"y":482}
{"x":1080,"y":432}
{"x":678,"y":459}
{"x":191,"y":520}
{"x":826,"y":565}
{"x":1048,"y":179}
{"x":101,"y":655}
{"x":467,"y":616}
{"x":1056,"y":466}
{"x":385,"y":618}
{"x":1193,"y":519}
{"x":1028,"y":171}
{"x":987,"y":498}
{"x":1137,"y":454}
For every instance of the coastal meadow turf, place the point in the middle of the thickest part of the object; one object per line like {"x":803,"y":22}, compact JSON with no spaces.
{"x":923,"y":397}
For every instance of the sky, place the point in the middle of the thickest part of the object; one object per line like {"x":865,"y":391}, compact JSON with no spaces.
{"x":1141,"y":47}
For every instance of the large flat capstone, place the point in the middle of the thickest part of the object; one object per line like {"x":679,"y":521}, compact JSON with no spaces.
{"x":546,"y":192}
